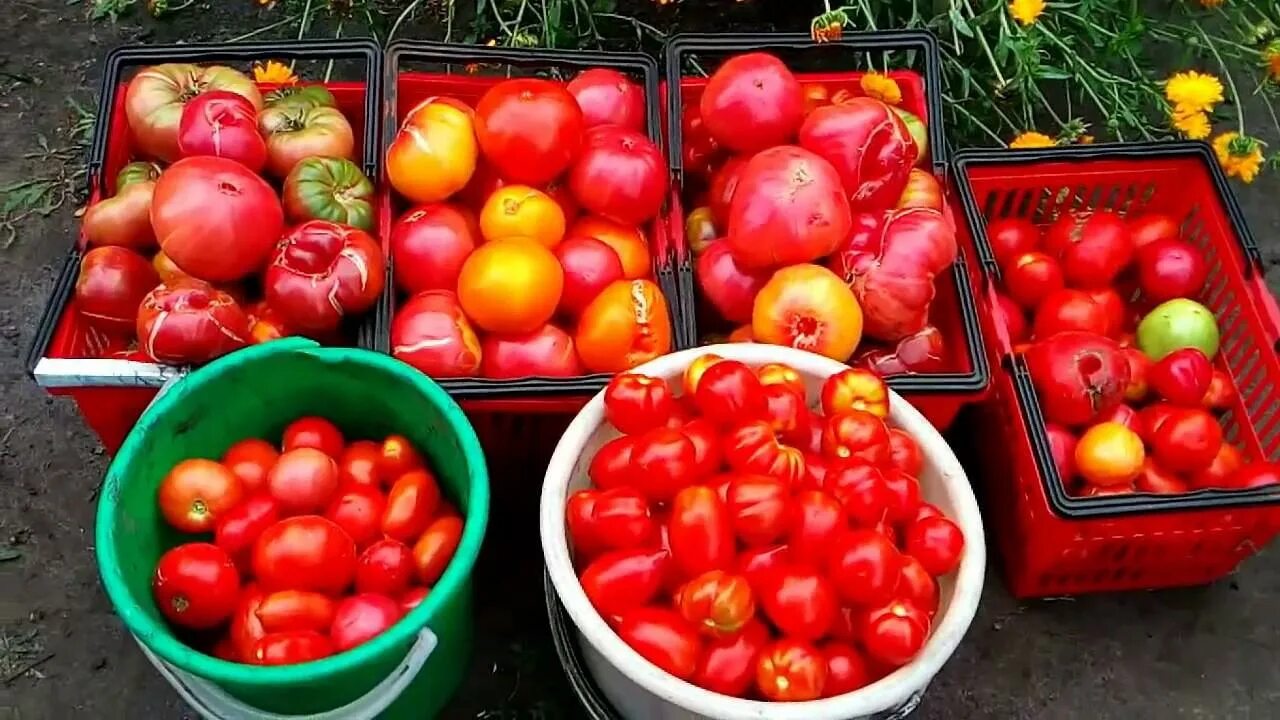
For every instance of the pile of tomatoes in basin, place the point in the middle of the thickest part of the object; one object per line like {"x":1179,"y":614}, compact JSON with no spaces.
{"x":745,"y":543}
{"x":524,"y":250}
{"x":1121,"y":354}
{"x":242,"y":220}
{"x":308,"y":550}
{"x":816,"y":228}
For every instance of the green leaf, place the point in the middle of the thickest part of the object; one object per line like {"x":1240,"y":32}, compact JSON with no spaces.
{"x":1047,"y":72}
{"x":958,"y":20}
{"x":8,"y":553}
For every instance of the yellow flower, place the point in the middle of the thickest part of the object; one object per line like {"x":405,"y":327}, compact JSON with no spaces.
{"x":1240,"y":155}
{"x":1026,"y":12}
{"x":274,"y":72}
{"x":881,"y":87}
{"x":1032,"y":140}
{"x":1271,"y":57}
{"x":1194,"y":125}
{"x":1193,"y":92}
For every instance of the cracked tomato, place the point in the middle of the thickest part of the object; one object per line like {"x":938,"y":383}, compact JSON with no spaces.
{"x":628,"y":324}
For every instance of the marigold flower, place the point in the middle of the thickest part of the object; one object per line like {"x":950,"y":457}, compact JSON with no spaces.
{"x":1194,"y":125}
{"x":1271,"y":57}
{"x":274,"y":72}
{"x":1193,"y":91}
{"x":1026,"y":12}
{"x":881,"y":87}
{"x":1240,"y":155}
{"x":828,"y":27}
{"x":1085,"y":140}
{"x":1032,"y":139}
{"x":1209,"y":4}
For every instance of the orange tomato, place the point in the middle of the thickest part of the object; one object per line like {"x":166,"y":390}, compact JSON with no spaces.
{"x":434,"y":153}
{"x":808,"y":307}
{"x":510,"y":286}
{"x":626,"y":325}
{"x":742,"y":334}
{"x":519,"y":211}
{"x":922,"y":191}
{"x":1109,"y":454}
{"x":625,"y":240}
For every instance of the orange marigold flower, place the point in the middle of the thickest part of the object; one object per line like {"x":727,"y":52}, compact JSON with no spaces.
{"x":1032,"y":140}
{"x":1240,"y":155}
{"x":274,"y":72}
{"x":881,"y":87}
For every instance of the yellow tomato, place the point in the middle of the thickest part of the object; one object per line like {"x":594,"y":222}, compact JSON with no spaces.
{"x":519,"y":211}
{"x":434,"y":153}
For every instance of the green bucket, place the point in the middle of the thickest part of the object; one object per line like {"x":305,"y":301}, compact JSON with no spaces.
{"x":409,"y":671}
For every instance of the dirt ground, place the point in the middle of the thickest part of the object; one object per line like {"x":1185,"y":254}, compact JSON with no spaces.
{"x":1199,"y":653}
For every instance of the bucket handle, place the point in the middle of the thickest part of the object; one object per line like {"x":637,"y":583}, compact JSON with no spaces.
{"x":213,"y":703}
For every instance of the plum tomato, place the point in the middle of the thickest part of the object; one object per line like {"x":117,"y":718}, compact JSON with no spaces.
{"x":1187,"y":441}
{"x":917,"y":585}
{"x":754,"y":447}
{"x":846,"y":669}
{"x":362,"y":617}
{"x":290,"y":648}
{"x":760,"y":507}
{"x":303,"y":481}
{"x":1155,"y":479}
{"x":635,"y":403}
{"x":411,"y":503}
{"x":1182,"y":377}
{"x":611,"y":466}
{"x":1031,"y":277}
{"x":729,"y":393}
{"x":790,"y":670}
{"x":663,"y":638}
{"x":240,"y":527}
{"x":784,"y":375}
{"x":614,"y":519}
{"x":728,"y":665}
{"x":398,"y":457}
{"x":718,"y":603}
{"x":196,"y":493}
{"x":856,"y":434}
{"x":800,"y":602}
{"x":623,"y":580}
{"x":864,"y":567}
{"x":358,"y":464}
{"x":306,"y":552}
{"x":1011,"y":237}
{"x":693,"y":373}
{"x":1110,"y":454}
{"x":1068,"y":309}
{"x":662,"y":461}
{"x":386,"y":568}
{"x":358,"y":510}
{"x":708,"y":450}
{"x":815,"y":522}
{"x":895,"y":633}
{"x":904,"y":495}
{"x":855,"y":389}
{"x":904,"y":452}
{"x":288,"y":610}
{"x":196,"y":586}
{"x":626,"y":325}
{"x":251,"y":460}
{"x":434,"y":550}
{"x":700,"y":532}
{"x":937,"y":543}
{"x":861,"y":490}
{"x":810,"y":308}
{"x":785,"y":411}
{"x":1221,"y":393}
{"x":1255,"y":474}
{"x":314,"y":432}
{"x":529,"y":129}
{"x":758,"y":564}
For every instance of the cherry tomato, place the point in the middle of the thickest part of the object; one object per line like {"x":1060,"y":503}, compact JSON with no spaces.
{"x":196,"y":585}
{"x":623,"y":580}
{"x":1255,"y":474}
{"x":760,"y":507}
{"x":411,"y":504}
{"x":856,"y":433}
{"x":816,"y":522}
{"x":303,"y":481}
{"x":700,"y":531}
{"x":855,"y":389}
{"x":611,"y":467}
{"x":758,"y":564}
{"x":413,"y":598}
{"x":635,"y":403}
{"x":295,"y":610}
{"x":662,"y":462}
{"x":306,"y":552}
{"x":614,"y":519}
{"x":251,"y":460}
{"x":707,"y":451}
{"x":360,"y":618}
{"x":904,"y":494}
{"x":718,"y":603}
{"x":398,"y":458}
{"x":434,"y":550}
{"x":864,"y":567}
{"x":360,"y":464}
{"x":729,"y":393}
{"x":728,"y":665}
{"x":1187,"y":441}
{"x":904,"y":453}
{"x":937,"y":543}
{"x":240,"y":528}
{"x":862,"y":490}
{"x":799,"y":602}
{"x":314,"y":432}
{"x":358,"y":510}
{"x":917,"y":585}
{"x":846,"y":669}
{"x":663,"y":638}
{"x":385,"y":568}
{"x":895,"y":633}
{"x":790,"y":671}
{"x":196,"y":493}
{"x":245,"y":628}
{"x":784,"y":375}
{"x":753,"y":447}
{"x":290,"y":648}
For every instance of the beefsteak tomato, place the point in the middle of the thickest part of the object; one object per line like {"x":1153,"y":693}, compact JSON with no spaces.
{"x":752,"y":102}
{"x":328,"y":188}
{"x":867,"y":144}
{"x":190,"y":322}
{"x":530,"y":129}
{"x":322,"y":272}
{"x":112,"y":284}
{"x":157,"y":95}
{"x":222,"y":124}
{"x":619,"y":175}
{"x":297,"y":132}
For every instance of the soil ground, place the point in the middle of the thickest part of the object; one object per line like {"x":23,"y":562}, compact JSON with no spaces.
{"x":1198,"y":653}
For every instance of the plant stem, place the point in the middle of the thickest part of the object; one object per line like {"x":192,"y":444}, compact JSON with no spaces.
{"x":951,"y":102}
{"x":986,"y":48}
{"x":264,"y":29}
{"x":1230,"y":80}
{"x":408,"y":10}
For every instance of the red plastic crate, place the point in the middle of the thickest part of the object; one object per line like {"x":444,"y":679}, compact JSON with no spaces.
{"x":939,"y":396}
{"x":66,"y":356}
{"x":1054,"y":544}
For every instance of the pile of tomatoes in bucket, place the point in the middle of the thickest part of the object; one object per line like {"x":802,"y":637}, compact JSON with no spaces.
{"x":196,"y":253}
{"x":740,"y":541}
{"x":816,"y":227}
{"x":525,"y":252}
{"x":315,"y":549}
{"x":1121,"y":354}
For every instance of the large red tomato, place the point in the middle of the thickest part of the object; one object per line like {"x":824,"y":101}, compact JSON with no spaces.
{"x":607,"y":97}
{"x":156,"y":96}
{"x":545,"y":352}
{"x":431,"y":333}
{"x":589,"y":265}
{"x":620,"y":175}
{"x":322,"y":272}
{"x":1078,"y":376}
{"x":358,"y":510}
{"x":297,"y":132}
{"x":190,"y":322}
{"x":215,"y":218}
{"x":429,"y":244}
{"x":868,"y":145}
{"x":720,"y":194}
{"x":123,"y":219}
{"x":752,"y":102}
{"x":303,"y":480}
{"x":1068,"y":309}
{"x":792,"y":197}
{"x":529,"y":129}
{"x":729,"y":287}
{"x":306,"y":552}
{"x":112,"y":283}
{"x":196,"y":585}
{"x":1093,"y":246}
{"x":222,"y":124}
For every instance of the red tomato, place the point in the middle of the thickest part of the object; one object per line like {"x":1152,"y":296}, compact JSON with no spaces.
{"x":112,"y":283}
{"x":358,"y":464}
{"x":529,"y":129}
{"x":846,"y":669}
{"x":635,"y":403}
{"x":800,"y":602}
{"x":314,"y":432}
{"x":1157,"y":480}
{"x":785,"y":411}
{"x":385,"y":568}
{"x":904,"y":493}
{"x":1187,"y":441}
{"x":816,"y":470}
{"x":607,"y":97}
{"x":197,"y":493}
{"x":321,"y":272}
{"x":790,"y":671}
{"x":662,"y":462}
{"x":290,"y":648}
{"x":758,"y":564}
{"x":752,"y":102}
{"x":1169,"y":269}
{"x":663,"y":638}
{"x":904,"y":452}
{"x":411,"y":504}
{"x":895,"y":633}
{"x":1123,"y":415}
{"x":624,"y":580}
{"x":1149,"y":229}
{"x":861,"y":490}
{"x":817,"y":520}
{"x":926,"y":511}
{"x":718,"y":603}
{"x":754,"y":448}
{"x":864,"y":567}
{"x":434,"y":550}
{"x":413,"y":598}
{"x":246,"y":628}
{"x":1113,"y":307}
{"x":1139,"y":366}
{"x":1151,"y":417}
{"x":251,"y":460}
{"x":1182,"y":377}
{"x":430,"y":243}
{"x":918,"y":586}
{"x":611,"y":467}
{"x":614,"y":519}
{"x":358,"y":510}
{"x":1078,"y":375}
{"x":196,"y":586}
{"x":238,"y":529}
{"x":1220,"y":471}
{"x":700,"y":531}
{"x":362,"y":617}
{"x":620,"y":175}
{"x":724,"y":182}
{"x":398,"y":458}
{"x":856,"y":434}
{"x":223,"y":124}
{"x":189,"y":322}
{"x":937,"y":543}
{"x":1094,"y":246}
{"x":1030,"y":277}
{"x":303,"y":481}
{"x":306,"y":552}
{"x":1255,"y":474}
{"x":708,"y":453}
{"x":1221,"y":393}
{"x":700,"y":151}
{"x":288,"y":610}
{"x":1013,"y":317}
{"x":728,"y":665}
{"x":760,"y":507}
{"x":590,"y":265}
{"x":728,"y":393}
{"x":1011,"y":237}
{"x":1067,"y":309}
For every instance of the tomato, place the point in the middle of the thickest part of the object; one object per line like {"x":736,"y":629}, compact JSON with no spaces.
{"x":615,"y":519}
{"x":620,"y":175}
{"x":398,"y":457}
{"x":708,"y":452}
{"x":1078,"y":376}
{"x":290,"y":648}
{"x":608,"y":97}
{"x":1187,"y":441}
{"x":430,"y":243}
{"x":752,"y":102}
{"x":224,"y":124}
{"x":1139,"y":367}
{"x":196,"y":585}
{"x":1151,"y":417}
{"x":1067,"y":309}
{"x":358,"y":510}
{"x":754,"y":447}
{"x":628,"y":324}
{"x":122,"y":220}
{"x":510,"y":286}
{"x":1148,"y":229}
{"x":856,"y":434}
{"x":432,"y":333}
{"x":724,"y":182}
{"x":758,"y":564}
{"x":1093,"y":245}
{"x":726,"y":284}
{"x":868,"y":144}
{"x":1011,"y":237}
{"x":1032,"y":276}
{"x":362,"y":617}
{"x":521,"y":212}
{"x":784,"y":375}
{"x":306,"y":552}
{"x":922,"y":190}
{"x":1169,"y":269}
{"x":663,"y":462}
{"x":589,"y":265}
{"x":700,"y":151}
{"x":358,"y":464}
{"x":864,"y":566}
{"x":303,"y":481}
{"x":1123,"y":415}
{"x":1155,"y":479}
{"x":250,"y":460}
{"x":240,"y":527}
{"x":434,"y":154}
{"x":322,"y":272}
{"x":329,"y":188}
{"x":895,"y":633}
{"x":545,"y":352}
{"x":245,"y":629}
{"x":790,"y":671}
{"x":808,"y":307}
{"x":1219,"y":472}
{"x":700,"y":531}
{"x":815,"y":523}
{"x":1221,"y":393}
{"x":785,"y":411}
{"x":157,"y":95}
{"x":800,"y":602}
{"x":386,"y":568}
{"x":314,"y":432}
{"x":718,"y":603}
{"x":728,"y":665}
{"x":1182,"y":377}
{"x":1255,"y":474}
{"x":855,"y":389}
{"x":937,"y":543}
{"x":413,"y":598}
{"x":663,"y":638}
{"x":197,"y":493}
{"x":295,"y":133}
{"x":861,"y":490}
{"x":628,"y":243}
{"x":304,"y":95}
{"x":189,"y":322}
{"x":611,"y":467}
{"x":728,"y":393}
{"x":916,"y":584}
{"x":288,"y":610}
{"x":699,"y":230}
{"x":215,"y":219}
{"x":623,"y":580}
{"x":1110,"y":454}
{"x":904,"y":493}
{"x":530,"y":129}
{"x":846,"y":669}
{"x":636,"y":403}
{"x":760,"y":508}
{"x":411,"y":503}
{"x":904,"y":452}
{"x":435,"y":549}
